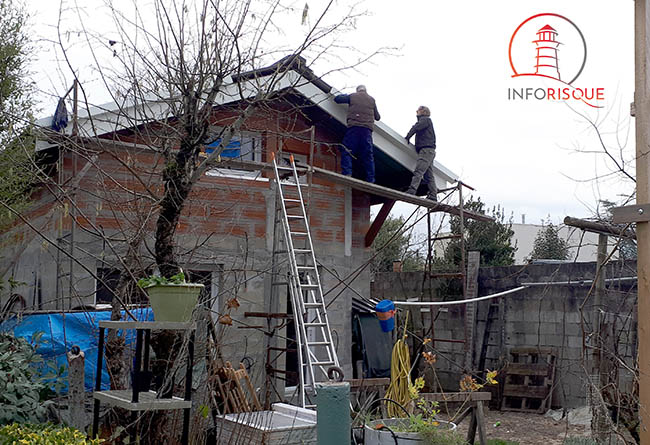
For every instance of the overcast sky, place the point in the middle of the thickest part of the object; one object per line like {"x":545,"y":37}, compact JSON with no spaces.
{"x":453,"y":57}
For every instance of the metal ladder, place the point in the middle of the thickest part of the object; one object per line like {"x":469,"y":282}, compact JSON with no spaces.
{"x":316,"y":353}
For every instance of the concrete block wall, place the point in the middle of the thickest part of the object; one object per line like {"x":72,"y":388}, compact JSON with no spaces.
{"x":557,"y":316}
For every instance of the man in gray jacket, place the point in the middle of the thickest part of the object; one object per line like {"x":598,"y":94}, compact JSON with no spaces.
{"x":362,"y":114}
{"x":425,"y":146}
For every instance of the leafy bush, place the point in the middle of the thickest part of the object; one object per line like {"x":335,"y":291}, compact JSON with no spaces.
{"x":21,"y":384}
{"x":47,"y":434}
{"x":157,"y":280}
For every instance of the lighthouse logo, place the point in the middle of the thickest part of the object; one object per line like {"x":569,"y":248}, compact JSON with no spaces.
{"x":550,"y":50}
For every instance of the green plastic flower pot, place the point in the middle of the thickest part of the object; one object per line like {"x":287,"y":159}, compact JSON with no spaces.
{"x":173,"y":302}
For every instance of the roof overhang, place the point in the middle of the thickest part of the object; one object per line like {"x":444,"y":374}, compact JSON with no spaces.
{"x":113,"y":117}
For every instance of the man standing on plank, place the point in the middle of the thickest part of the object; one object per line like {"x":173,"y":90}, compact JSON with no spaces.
{"x":362,"y":114}
{"x":425,"y":146}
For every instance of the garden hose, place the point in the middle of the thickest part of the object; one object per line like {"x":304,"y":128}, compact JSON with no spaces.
{"x":400,"y":379}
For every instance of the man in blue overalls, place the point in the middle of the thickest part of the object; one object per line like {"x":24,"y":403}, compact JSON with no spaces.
{"x":362,"y":114}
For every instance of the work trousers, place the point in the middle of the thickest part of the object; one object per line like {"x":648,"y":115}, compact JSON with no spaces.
{"x":358,"y":143}
{"x":424,"y":168}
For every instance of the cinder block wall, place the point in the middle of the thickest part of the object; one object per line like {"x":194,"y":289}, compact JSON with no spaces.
{"x":544,"y":316}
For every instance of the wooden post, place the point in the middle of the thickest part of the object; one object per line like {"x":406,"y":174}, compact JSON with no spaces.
{"x":599,"y":425}
{"x":471,"y":291}
{"x":76,"y":392}
{"x":642,"y":106}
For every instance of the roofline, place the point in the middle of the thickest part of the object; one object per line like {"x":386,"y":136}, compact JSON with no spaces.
{"x":112,"y":117}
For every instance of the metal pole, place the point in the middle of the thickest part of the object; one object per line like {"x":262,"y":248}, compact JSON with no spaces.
{"x":75,"y":108}
{"x":98,"y":381}
{"x":642,"y":107}
{"x":333,"y":409}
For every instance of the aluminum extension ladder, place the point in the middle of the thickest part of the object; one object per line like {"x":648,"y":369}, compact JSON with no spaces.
{"x":317,"y":359}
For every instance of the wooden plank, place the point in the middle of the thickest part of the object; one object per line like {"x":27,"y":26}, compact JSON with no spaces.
{"x":358,"y":383}
{"x":527,"y":391}
{"x":358,"y":184}
{"x":631,"y":213}
{"x":386,"y":192}
{"x":471,"y":430}
{"x":530,"y":369}
{"x":148,"y":401}
{"x":378,"y":222}
{"x":480,"y":424}
{"x":456,"y":396}
{"x":153,"y":325}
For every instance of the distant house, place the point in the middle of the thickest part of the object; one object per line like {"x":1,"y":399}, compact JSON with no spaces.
{"x":582,"y":246}
{"x":225,"y":236}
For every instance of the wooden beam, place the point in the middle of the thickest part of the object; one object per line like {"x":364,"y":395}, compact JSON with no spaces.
{"x":357,"y":184}
{"x":642,"y":105}
{"x":389,"y":193}
{"x":379,"y":221}
{"x":599,"y":227}
{"x":456,"y":396}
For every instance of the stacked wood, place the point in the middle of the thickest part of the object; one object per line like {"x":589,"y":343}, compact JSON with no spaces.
{"x":236,"y":391}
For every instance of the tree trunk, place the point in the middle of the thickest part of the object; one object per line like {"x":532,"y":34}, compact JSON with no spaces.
{"x":178,"y":185}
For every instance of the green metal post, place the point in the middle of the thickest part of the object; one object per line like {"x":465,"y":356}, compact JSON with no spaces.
{"x":333,"y":407}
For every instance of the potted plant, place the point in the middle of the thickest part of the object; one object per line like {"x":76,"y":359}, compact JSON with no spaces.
{"x":422,"y":428}
{"x":172,"y":299}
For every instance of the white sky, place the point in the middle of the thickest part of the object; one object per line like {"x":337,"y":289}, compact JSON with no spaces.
{"x":453,"y":57}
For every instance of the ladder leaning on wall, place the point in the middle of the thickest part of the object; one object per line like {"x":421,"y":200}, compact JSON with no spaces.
{"x":317,"y":359}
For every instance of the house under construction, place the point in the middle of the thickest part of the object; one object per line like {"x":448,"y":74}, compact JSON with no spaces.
{"x":72,"y":247}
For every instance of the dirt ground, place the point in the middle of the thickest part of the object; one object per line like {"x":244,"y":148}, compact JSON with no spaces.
{"x":527,"y":429}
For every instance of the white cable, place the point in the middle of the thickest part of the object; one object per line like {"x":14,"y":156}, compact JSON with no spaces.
{"x":450,"y":303}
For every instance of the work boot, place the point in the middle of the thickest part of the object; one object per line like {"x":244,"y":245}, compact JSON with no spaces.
{"x":433,"y":198}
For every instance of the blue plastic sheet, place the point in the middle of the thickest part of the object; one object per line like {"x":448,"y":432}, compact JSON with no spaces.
{"x":61,"y":331}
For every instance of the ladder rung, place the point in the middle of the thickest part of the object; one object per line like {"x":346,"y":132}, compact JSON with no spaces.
{"x":322,"y":363}
{"x":318,"y":343}
{"x":311,"y":305}
{"x":309,"y":325}
{"x":295,"y":217}
{"x":281,"y":167}
{"x":308,"y":286}
{"x":298,"y":233}
{"x":301,"y":250}
{"x":291,"y":200}
{"x":288,"y":184}
{"x":305,"y":267}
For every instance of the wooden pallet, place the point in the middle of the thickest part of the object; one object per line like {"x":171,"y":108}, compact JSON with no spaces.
{"x":529,"y":380}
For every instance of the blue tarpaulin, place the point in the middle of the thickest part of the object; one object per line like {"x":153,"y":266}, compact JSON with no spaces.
{"x":61,"y":331}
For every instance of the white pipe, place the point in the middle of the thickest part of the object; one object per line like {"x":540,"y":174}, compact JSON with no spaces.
{"x":450,"y":303}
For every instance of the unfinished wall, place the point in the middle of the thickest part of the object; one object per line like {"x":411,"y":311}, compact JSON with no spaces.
{"x":226,"y":229}
{"x":540,"y":316}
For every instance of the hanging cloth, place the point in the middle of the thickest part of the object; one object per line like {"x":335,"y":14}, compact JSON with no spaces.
{"x":60,"y":118}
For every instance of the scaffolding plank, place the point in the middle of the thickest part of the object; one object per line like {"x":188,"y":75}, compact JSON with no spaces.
{"x":364,"y":186}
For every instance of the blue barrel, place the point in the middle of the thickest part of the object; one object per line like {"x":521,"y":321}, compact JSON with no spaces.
{"x":386,"y":315}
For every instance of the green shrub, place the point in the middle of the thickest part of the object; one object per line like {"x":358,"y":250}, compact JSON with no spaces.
{"x":21,"y":384}
{"x":47,"y":434}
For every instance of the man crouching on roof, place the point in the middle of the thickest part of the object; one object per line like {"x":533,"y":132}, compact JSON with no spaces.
{"x":425,"y":146}
{"x":362,"y":114}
